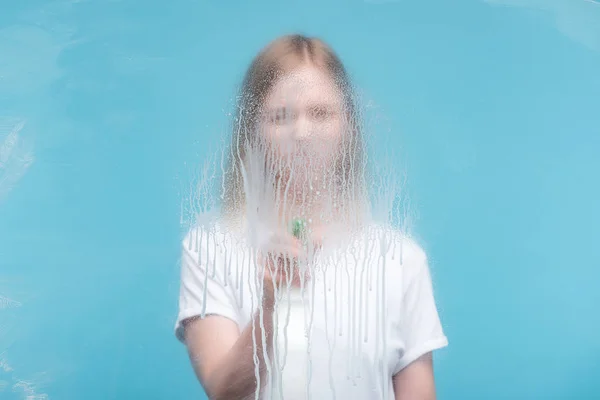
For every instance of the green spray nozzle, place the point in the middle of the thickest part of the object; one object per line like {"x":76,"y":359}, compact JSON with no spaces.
{"x":299,"y":228}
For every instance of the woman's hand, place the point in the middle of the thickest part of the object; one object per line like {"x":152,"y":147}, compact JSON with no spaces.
{"x":280,"y":258}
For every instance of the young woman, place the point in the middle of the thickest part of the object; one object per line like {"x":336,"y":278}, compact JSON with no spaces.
{"x":297,"y":290}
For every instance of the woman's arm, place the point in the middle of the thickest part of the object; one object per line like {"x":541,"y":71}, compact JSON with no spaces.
{"x":223,"y":358}
{"x":415,"y":381}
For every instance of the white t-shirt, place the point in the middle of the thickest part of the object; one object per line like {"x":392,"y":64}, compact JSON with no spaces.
{"x":367,"y":311}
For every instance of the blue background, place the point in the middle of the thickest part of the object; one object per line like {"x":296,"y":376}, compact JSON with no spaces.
{"x":493,"y":105}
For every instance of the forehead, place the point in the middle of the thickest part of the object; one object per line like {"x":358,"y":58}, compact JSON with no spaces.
{"x":306,"y":85}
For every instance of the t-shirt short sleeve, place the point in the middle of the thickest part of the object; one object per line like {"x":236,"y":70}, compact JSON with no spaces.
{"x":420,"y":329}
{"x":203,"y":288}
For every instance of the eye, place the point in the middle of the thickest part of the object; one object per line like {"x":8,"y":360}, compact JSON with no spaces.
{"x":280,"y":116}
{"x":320,"y":113}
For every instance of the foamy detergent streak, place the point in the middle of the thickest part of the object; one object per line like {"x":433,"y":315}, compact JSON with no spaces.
{"x":292,"y":345}
{"x":292,"y":338}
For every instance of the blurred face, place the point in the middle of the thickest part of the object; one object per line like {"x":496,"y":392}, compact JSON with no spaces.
{"x":302,"y":115}
{"x":302,"y":158}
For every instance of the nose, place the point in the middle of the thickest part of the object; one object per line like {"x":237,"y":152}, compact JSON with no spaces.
{"x":302,"y":128}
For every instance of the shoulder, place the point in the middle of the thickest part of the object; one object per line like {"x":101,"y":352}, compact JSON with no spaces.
{"x":206,"y":254}
{"x":201,"y":240}
{"x":403,"y":254}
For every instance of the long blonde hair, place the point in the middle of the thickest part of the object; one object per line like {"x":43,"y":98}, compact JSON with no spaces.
{"x":277,"y":59}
